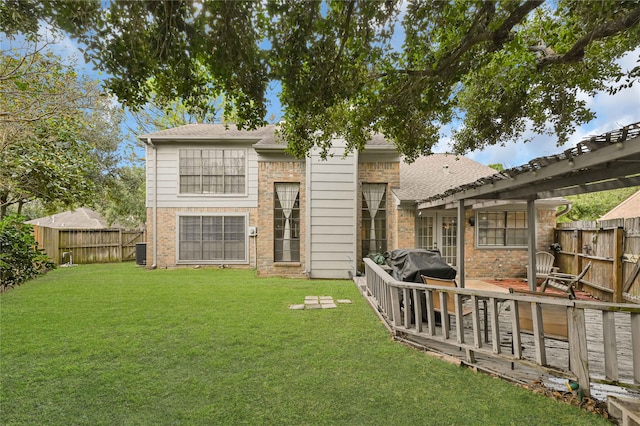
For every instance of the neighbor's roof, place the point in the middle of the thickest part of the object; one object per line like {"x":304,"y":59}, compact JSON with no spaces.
{"x":626,"y":209}
{"x":437,"y":173}
{"x":81,"y":218}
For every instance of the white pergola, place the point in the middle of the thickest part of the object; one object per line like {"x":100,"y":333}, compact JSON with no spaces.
{"x":608,"y":161}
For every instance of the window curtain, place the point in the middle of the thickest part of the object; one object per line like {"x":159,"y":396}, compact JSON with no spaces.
{"x":287,"y":194}
{"x":373,"y":193}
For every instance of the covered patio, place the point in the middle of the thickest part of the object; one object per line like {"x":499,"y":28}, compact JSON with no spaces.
{"x":486,"y":327}
{"x":600,"y":163}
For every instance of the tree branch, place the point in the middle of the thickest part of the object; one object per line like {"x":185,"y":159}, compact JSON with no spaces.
{"x":502,"y":33}
{"x":576,"y":53}
{"x":345,"y":30}
{"x":478,"y":33}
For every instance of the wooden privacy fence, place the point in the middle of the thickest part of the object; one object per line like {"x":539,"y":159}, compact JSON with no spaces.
{"x":88,"y":245}
{"x":595,"y":347}
{"x":612,"y":247}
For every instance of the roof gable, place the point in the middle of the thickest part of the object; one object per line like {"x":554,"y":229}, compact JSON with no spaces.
{"x":626,"y":209}
{"x":82,"y":218}
{"x":437,"y":173}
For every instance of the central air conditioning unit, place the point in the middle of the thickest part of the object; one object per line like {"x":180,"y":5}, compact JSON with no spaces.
{"x":252,"y":231}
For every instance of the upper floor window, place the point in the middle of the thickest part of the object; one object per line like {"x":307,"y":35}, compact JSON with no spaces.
{"x":502,"y":229}
{"x":212,"y":171}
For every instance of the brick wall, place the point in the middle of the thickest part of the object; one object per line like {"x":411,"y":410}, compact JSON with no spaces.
{"x":406,"y":229}
{"x":380,"y":172}
{"x":504,"y":263}
{"x":167,"y":255}
{"x":270,"y":173}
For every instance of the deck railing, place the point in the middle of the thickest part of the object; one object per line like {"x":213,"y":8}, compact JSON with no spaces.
{"x":408,"y":310}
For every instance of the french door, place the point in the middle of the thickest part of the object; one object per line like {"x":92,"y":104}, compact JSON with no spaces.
{"x":438,"y":231}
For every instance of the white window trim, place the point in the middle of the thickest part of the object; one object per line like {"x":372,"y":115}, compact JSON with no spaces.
{"x":201,"y":195}
{"x":476,"y":231}
{"x":244,"y":261}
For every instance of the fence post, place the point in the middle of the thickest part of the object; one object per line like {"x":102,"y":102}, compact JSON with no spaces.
{"x":577,"y":259}
{"x":578,"y":356}
{"x":618,"y":276}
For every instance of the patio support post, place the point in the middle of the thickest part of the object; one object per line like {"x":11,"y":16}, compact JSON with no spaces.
{"x":531,"y":229}
{"x":460,"y":243}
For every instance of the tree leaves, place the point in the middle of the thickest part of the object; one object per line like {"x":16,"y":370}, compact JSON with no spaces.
{"x":490,"y":68}
{"x":58,"y":135}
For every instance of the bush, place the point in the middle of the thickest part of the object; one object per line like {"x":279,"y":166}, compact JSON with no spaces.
{"x":20,"y":258}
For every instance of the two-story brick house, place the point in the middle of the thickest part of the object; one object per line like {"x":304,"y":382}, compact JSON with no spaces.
{"x":221,"y":196}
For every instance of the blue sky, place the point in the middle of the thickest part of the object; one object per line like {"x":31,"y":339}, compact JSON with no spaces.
{"x":612,"y":112}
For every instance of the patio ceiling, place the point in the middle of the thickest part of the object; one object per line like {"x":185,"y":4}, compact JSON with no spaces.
{"x":608,"y":161}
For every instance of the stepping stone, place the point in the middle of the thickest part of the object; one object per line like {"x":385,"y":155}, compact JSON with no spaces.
{"x":326,"y":298}
{"x":344,"y":301}
{"x":296,"y":307}
{"x":329,"y":305}
{"x":326,"y":301}
{"x":316,"y":306}
{"x":310,"y":301}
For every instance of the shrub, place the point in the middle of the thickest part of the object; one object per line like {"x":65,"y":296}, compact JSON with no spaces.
{"x":20,"y":258}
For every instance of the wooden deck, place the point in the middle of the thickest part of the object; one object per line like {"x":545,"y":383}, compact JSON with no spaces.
{"x":480,"y":351}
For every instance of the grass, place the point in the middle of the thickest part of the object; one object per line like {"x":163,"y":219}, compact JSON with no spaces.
{"x":115,"y":344}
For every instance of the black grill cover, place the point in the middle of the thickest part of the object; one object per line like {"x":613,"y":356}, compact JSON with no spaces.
{"x":408,"y":265}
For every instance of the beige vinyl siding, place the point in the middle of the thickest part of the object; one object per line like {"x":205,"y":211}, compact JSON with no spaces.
{"x":169,"y":176}
{"x":332,"y":214}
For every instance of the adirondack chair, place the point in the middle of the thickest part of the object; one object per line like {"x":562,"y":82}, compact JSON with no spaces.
{"x":564,"y":282}
{"x":451,"y":306}
{"x":554,"y":317}
{"x":544,"y":264}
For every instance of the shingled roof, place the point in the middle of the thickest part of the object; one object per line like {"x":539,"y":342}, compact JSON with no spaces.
{"x":211,"y":131}
{"x":264,"y":137}
{"x":81,"y":218}
{"x":437,"y":173}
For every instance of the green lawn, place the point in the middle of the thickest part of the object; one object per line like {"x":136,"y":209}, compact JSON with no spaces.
{"x":115,"y":344}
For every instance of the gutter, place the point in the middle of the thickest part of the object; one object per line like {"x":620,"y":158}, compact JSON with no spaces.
{"x":154,"y":205}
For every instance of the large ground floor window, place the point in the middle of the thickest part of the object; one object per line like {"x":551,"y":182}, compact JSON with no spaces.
{"x":212,"y":238}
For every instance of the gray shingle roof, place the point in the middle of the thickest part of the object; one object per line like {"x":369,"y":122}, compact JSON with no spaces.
{"x":434,"y":174}
{"x":264,"y":137}
{"x":212,"y":131}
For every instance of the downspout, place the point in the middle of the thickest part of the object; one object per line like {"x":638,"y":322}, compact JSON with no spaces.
{"x":566,"y":209}
{"x":154,"y":205}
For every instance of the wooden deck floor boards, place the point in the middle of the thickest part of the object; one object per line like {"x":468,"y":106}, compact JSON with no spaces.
{"x":557,"y":351}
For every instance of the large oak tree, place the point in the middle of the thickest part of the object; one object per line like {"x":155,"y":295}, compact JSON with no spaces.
{"x":491,"y":68}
